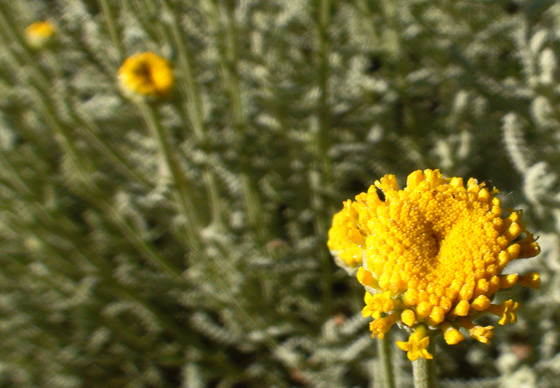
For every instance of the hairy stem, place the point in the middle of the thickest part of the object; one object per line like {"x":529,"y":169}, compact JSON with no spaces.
{"x":424,"y":370}
{"x":386,"y":371}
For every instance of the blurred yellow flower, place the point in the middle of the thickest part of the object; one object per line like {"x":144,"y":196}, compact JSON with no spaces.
{"x":146,"y":74}
{"x":39,"y":34}
{"x":432,"y":255}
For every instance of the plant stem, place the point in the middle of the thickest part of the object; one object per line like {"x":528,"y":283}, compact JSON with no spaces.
{"x":387,"y":373}
{"x":320,"y":175}
{"x":187,"y":207}
{"x":424,"y":370}
{"x":229,"y":60}
{"x":111,"y":26}
{"x":193,"y":107}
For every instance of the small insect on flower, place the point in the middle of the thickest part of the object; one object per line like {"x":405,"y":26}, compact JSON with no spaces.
{"x":40,"y":34}
{"x":146,"y":75}
{"x":431,"y":256}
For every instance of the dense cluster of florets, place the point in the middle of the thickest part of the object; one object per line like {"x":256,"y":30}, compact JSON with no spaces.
{"x":431,"y":256}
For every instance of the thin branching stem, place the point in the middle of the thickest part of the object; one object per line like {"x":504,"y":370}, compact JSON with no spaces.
{"x":180,"y":187}
{"x":192,"y":103}
{"x":111,"y":26}
{"x":320,"y":175}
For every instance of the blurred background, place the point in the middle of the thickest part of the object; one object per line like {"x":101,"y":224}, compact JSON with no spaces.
{"x":181,"y":241}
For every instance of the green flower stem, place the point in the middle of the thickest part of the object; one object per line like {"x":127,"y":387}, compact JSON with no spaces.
{"x":226,"y":43}
{"x":321,"y":176}
{"x":89,"y":129}
{"x":91,"y":133}
{"x":147,"y":250}
{"x":191,"y":219}
{"x":17,"y":182}
{"x":193,"y":108}
{"x":192,"y":102}
{"x":424,"y":370}
{"x":386,"y":371}
{"x":111,"y":26}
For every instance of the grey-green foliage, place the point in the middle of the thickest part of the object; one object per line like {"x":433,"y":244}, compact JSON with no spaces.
{"x":184,"y":243}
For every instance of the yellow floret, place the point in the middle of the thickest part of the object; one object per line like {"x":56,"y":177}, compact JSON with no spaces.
{"x":365,"y":278}
{"x":382,"y":325}
{"x":451,"y":335}
{"x":417,"y":344}
{"x":506,"y":311}
{"x":408,"y":318}
{"x":377,"y":304}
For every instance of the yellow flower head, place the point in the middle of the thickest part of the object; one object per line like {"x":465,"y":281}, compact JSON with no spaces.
{"x":146,"y":74}
{"x":433,"y":253}
{"x":39,"y":34}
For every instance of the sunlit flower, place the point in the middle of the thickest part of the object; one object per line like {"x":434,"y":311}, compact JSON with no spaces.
{"x":432,"y":256}
{"x":39,"y":34}
{"x":146,"y":75}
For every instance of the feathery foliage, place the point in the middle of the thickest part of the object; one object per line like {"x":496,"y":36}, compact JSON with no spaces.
{"x":182,"y":242}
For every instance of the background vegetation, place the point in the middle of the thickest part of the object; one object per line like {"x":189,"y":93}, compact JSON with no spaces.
{"x":183,"y":243}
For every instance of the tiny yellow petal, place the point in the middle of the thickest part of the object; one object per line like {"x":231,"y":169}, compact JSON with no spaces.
{"x":481,"y":303}
{"x":437,"y":315}
{"x":514,"y":250}
{"x":462,"y":308}
{"x":365,"y":278}
{"x":509,"y":281}
{"x":452,"y":336}
{"x":382,"y":325}
{"x":532,"y":280}
{"x":482,"y":334}
{"x":506,"y":311}
{"x":408,"y":318}
{"x":417,"y":344}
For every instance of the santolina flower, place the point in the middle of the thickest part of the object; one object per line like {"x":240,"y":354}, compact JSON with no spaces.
{"x":39,"y":34}
{"x":431,"y":256}
{"x":146,"y":75}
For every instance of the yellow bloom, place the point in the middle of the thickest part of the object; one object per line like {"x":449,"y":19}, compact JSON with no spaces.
{"x":146,"y":74}
{"x":377,"y":304}
{"x":382,"y":325}
{"x":435,"y":250}
{"x":39,"y":34}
